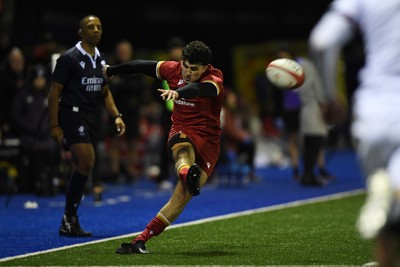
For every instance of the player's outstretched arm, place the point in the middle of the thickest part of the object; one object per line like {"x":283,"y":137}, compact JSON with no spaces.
{"x":190,"y":90}
{"x":148,"y":67}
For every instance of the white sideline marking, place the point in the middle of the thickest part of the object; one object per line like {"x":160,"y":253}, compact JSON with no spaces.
{"x":215,"y":218}
{"x":247,"y":265}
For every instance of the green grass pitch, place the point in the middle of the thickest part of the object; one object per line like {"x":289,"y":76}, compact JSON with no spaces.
{"x":314,"y":233}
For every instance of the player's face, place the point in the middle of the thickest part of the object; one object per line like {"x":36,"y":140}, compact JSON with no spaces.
{"x":192,"y":72}
{"x":92,"y":31}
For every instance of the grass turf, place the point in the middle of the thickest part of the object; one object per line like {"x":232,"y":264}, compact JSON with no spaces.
{"x":320,"y":233}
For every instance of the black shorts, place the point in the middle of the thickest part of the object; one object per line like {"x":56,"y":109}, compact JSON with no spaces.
{"x":291,"y":120}
{"x":79,"y":126}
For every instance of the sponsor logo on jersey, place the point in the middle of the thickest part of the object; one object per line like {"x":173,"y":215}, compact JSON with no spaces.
{"x":93,"y":84}
{"x":183,"y":103}
{"x":82,"y":63}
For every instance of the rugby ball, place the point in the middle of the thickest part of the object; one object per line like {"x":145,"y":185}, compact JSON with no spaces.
{"x":285,"y":73}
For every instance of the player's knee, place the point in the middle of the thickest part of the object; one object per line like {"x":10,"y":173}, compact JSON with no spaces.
{"x":184,"y":154}
{"x":86,"y":167}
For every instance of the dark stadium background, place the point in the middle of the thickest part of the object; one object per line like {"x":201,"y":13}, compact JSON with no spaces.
{"x":148,"y":24}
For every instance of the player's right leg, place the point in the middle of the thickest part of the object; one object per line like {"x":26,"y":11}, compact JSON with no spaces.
{"x":183,"y":154}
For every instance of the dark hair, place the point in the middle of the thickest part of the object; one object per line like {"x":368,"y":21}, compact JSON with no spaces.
{"x":285,"y":47}
{"x":196,"y":52}
{"x":82,"y":22}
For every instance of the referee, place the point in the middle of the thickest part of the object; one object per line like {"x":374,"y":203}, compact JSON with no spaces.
{"x":78,"y":92}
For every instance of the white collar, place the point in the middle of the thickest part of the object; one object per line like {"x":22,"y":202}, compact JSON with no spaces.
{"x":80,"y":48}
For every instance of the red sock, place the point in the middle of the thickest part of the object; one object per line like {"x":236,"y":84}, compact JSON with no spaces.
{"x":155,"y":227}
{"x":182,"y":173}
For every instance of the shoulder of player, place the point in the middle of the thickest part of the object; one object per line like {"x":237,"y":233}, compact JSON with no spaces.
{"x":69,"y":54}
{"x":169,"y":63}
{"x":214,"y":72}
{"x":168,"y":67}
{"x":103,"y":56}
{"x":213,"y":69}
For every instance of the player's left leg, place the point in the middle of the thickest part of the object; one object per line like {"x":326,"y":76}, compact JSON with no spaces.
{"x":190,"y":176}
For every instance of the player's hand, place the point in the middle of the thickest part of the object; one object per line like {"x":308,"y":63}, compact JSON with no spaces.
{"x":104,"y":70}
{"x":120,"y":126}
{"x":57,"y":134}
{"x":168,"y":94}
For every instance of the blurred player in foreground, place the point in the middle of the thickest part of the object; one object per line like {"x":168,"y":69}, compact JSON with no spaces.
{"x":194,"y":138}
{"x":376,"y":124}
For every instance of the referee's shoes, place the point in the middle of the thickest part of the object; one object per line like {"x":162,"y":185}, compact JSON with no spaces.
{"x":70,"y":227}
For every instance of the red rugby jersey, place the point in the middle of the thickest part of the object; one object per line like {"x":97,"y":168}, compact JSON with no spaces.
{"x":200,"y":115}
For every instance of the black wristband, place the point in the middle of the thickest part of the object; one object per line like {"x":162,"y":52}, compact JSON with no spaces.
{"x":118,"y":116}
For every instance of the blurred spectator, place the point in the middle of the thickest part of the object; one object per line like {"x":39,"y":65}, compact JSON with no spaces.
{"x":129,"y":93}
{"x":13,"y":78}
{"x":45,"y":48}
{"x":174,"y":48}
{"x":290,"y":113}
{"x":268,"y":103}
{"x":41,"y":156}
{"x":237,"y":142}
{"x":314,"y":130}
{"x":302,"y":111}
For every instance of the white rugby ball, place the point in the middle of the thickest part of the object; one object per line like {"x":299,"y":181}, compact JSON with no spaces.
{"x":285,"y":73}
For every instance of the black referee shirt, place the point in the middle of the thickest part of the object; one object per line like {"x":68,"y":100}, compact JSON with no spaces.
{"x":82,"y":77}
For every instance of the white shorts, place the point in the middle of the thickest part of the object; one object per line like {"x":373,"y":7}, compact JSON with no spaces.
{"x":376,"y":129}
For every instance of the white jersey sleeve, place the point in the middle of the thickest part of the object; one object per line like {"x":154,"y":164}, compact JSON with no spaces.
{"x":327,"y":38}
